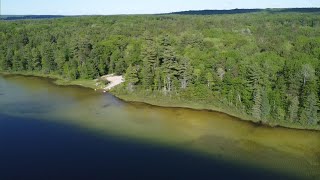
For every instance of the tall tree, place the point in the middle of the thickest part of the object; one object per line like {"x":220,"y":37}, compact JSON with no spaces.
{"x":131,"y":77}
{"x":48,"y":63}
{"x":36,"y":59}
{"x":257,"y":99}
{"x":7,"y":62}
{"x":309,"y":114}
{"x":169,"y":64}
{"x":185,"y":72}
{"x":293,"y":108}
{"x":150,"y":62}
{"x":18,"y":63}
{"x":265,"y":106}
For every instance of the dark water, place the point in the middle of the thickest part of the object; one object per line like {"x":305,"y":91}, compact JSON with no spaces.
{"x":54,"y":132}
{"x":31,"y":149}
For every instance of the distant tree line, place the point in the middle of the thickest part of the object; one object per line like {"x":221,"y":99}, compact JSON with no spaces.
{"x":264,"y":65}
{"x":244,"y":11}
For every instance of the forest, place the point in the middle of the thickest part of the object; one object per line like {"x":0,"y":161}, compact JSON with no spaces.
{"x":265,"y":65}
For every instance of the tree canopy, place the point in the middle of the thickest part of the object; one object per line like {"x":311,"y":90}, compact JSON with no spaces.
{"x":266,"y":65}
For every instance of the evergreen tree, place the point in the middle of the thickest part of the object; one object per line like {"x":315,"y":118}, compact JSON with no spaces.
{"x":257,"y":99}
{"x":309,"y":114}
{"x":27,"y":56}
{"x":36,"y":59}
{"x":70,"y":70}
{"x":185,"y":72}
{"x":18,"y":64}
{"x":293,"y":108}
{"x":47,"y":62}
{"x":150,"y":62}
{"x":120,"y":66}
{"x":60,"y":60}
{"x":131,"y":77}
{"x":265,"y":106}
{"x":7,"y":63}
{"x":169,"y":65}
{"x":2,"y":61}
{"x":114,"y":58}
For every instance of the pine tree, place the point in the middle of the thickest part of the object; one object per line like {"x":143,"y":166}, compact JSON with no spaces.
{"x":257,"y":99}
{"x":36,"y":59}
{"x":48,"y":64}
{"x":2,"y":60}
{"x":309,"y":109}
{"x":313,"y":109}
{"x":27,"y":56}
{"x":293,"y":108}
{"x":131,"y":77}
{"x":18,"y":64}
{"x":150,"y":62}
{"x":120,"y":66}
{"x":7,"y":62}
{"x":185,"y":72}
{"x":169,"y":65}
{"x":70,"y":69}
{"x":114,"y":58}
{"x":60,"y":59}
{"x":255,"y":80}
{"x":265,"y":106}
{"x":309,"y":96}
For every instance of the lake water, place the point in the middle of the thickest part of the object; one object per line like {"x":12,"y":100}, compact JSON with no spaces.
{"x":69,"y":132}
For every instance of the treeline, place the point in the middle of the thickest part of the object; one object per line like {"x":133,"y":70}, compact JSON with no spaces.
{"x":242,"y":11}
{"x":264,"y":65}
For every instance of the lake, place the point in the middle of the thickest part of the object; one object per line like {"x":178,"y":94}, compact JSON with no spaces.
{"x":69,"y":132}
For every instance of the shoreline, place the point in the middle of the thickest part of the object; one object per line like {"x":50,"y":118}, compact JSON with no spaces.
{"x":244,"y":118}
{"x":60,"y":81}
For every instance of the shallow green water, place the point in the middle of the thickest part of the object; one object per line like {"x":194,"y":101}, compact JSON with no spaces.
{"x":215,"y":135}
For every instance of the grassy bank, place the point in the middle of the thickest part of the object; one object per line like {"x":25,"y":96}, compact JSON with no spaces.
{"x":159,"y":99}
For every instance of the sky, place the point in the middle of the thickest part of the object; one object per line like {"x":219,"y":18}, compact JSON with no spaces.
{"x":108,"y":7}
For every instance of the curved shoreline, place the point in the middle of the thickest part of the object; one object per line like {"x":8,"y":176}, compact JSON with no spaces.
{"x":57,"y":80}
{"x":218,"y":110}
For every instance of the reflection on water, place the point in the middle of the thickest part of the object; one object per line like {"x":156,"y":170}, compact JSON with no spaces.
{"x":214,"y":134}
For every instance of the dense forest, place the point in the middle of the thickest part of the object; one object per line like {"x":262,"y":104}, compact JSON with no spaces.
{"x":266,"y":65}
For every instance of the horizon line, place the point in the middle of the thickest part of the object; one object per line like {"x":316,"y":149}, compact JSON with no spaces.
{"x":163,"y":13}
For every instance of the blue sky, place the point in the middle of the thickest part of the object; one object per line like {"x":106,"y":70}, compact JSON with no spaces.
{"x":106,"y":7}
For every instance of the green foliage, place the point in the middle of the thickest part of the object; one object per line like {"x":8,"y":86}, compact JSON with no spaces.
{"x":257,"y":107}
{"x":261,"y":64}
{"x":48,"y":61}
{"x":185,"y":72}
{"x":150,"y":62}
{"x":293,"y":109}
{"x":131,"y":77}
{"x":265,"y":106}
